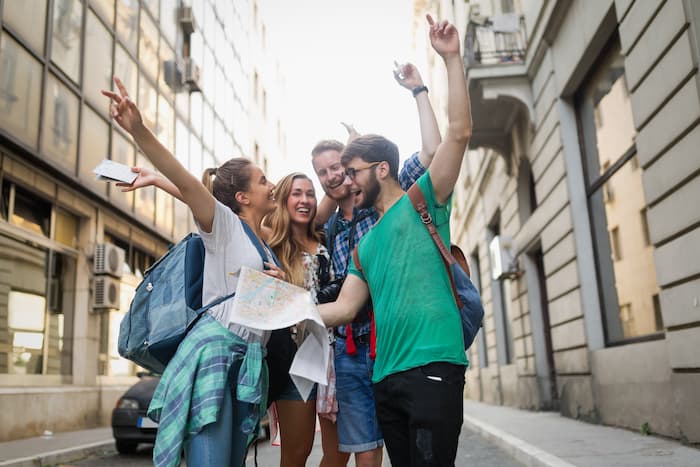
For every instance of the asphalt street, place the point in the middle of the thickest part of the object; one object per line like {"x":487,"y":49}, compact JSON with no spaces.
{"x":473,"y":450}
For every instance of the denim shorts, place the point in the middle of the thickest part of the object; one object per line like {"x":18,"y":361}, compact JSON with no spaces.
{"x":291,"y":393}
{"x":358,"y":428}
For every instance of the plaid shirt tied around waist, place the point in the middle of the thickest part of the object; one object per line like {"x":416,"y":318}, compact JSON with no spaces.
{"x":191,"y":390}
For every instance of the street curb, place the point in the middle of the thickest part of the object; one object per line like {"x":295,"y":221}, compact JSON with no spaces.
{"x":60,"y":455}
{"x":523,"y":452}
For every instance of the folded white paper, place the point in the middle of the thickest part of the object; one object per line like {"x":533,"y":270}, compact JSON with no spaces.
{"x":114,"y":172}
{"x":263,"y":302}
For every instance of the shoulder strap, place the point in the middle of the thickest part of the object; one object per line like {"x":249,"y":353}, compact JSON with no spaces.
{"x":259,"y":246}
{"x":356,"y":259}
{"x":332,"y":231}
{"x":419,"y":203}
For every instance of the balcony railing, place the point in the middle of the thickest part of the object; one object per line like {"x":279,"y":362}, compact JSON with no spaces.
{"x":495,"y":40}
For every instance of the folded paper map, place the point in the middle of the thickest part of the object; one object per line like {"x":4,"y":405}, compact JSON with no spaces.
{"x":114,"y":172}
{"x":263,"y":302}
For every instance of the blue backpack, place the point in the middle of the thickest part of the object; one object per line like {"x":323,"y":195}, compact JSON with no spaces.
{"x":471,"y":310}
{"x":168,"y":303}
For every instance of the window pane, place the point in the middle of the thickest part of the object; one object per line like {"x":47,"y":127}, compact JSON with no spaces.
{"x":152,"y":6}
{"x":28,"y":21}
{"x":182,"y":219}
{"x":208,"y":126}
{"x":20,"y":91}
{"x":166,"y":124}
{"x":105,"y":8}
{"x":196,"y":112}
{"x":626,"y":261}
{"x":182,"y":137}
{"x":168,"y":19}
{"x":65,"y":43}
{"x":125,"y":68}
{"x":148,"y":46}
{"x":166,"y":55}
{"x":26,"y":326}
{"x":122,"y":151}
{"x":97,"y":68}
{"x":61,"y":303}
{"x":608,"y":109}
{"x":94,"y":146}
{"x":148,"y":102}
{"x":195,"y":156}
{"x":145,"y":198}
{"x":66,"y":231}
{"x":164,"y":211}
{"x":31,"y":213}
{"x":60,"y":126}
{"x":219,"y":137}
{"x":208,"y":74}
{"x":127,"y":22}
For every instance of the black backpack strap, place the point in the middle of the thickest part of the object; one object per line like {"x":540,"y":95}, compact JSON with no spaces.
{"x":332,"y":231}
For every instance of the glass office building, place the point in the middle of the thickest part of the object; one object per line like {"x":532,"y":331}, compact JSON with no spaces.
{"x":64,"y":282}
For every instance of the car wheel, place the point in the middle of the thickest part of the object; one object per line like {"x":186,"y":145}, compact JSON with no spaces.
{"x":126,"y":447}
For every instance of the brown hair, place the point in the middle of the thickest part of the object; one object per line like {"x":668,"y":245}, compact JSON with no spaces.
{"x":373,"y":148}
{"x":327,"y":145}
{"x":287,"y":249}
{"x":233,"y":176}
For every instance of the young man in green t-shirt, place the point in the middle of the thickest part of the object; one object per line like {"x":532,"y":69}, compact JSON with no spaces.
{"x":419,"y":369}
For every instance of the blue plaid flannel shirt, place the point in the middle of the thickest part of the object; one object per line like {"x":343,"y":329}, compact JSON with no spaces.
{"x":410,"y":172}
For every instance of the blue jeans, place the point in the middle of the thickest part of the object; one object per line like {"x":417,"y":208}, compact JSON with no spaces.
{"x":221,"y":443}
{"x":358,"y":428}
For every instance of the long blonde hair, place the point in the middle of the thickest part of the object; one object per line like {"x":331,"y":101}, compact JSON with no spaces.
{"x":288,"y":250}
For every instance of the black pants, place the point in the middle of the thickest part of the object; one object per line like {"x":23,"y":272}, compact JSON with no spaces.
{"x":420,"y":414}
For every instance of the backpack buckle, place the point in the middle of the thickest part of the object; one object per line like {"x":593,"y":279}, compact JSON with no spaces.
{"x":425,"y":218}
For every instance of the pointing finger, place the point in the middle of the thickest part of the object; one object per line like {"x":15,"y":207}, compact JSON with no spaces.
{"x":430,"y":19}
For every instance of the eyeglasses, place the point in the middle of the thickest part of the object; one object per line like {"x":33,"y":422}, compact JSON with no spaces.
{"x":351,"y":172}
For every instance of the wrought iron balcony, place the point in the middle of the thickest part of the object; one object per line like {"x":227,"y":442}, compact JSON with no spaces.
{"x":495,"y":40}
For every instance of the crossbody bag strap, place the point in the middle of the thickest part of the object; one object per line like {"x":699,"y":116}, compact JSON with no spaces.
{"x":415,"y":194}
{"x":263,"y":255}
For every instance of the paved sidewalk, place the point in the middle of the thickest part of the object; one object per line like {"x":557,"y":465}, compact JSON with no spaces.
{"x":55,"y":449}
{"x":533,"y":438}
{"x":548,"y":439}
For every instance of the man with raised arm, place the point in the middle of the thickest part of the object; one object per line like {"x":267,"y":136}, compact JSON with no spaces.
{"x":420,"y":360}
{"x":357,"y":426}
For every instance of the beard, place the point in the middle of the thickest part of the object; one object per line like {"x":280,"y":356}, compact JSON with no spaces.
{"x":371,"y":193}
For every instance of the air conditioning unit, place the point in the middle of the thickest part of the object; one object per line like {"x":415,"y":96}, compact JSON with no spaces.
{"x":190,"y":74}
{"x":106,"y":293}
{"x":186,"y":19}
{"x":172,"y":75}
{"x":109,"y":259}
{"x":503,"y":262}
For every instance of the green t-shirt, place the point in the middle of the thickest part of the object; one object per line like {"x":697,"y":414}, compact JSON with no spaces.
{"x":417,"y":319}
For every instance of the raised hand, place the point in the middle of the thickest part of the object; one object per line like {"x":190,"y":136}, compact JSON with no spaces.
{"x":123,"y":109}
{"x":352,"y":132}
{"x":146,"y":177}
{"x":407,"y":75}
{"x":443,"y":37}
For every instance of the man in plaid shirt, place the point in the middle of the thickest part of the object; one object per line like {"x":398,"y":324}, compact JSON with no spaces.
{"x":357,"y":425}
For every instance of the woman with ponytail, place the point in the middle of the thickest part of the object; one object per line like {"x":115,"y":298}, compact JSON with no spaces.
{"x":212,"y":392}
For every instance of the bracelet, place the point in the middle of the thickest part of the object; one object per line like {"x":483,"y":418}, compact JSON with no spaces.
{"x":419,"y":89}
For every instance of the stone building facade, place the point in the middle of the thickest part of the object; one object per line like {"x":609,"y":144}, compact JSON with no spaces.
{"x":578,"y":205}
